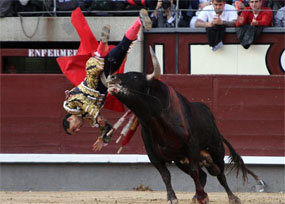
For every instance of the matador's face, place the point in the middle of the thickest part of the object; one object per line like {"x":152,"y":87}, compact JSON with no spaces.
{"x":75,"y":123}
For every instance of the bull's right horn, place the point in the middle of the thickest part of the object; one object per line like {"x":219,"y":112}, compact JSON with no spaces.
{"x":156,"y":67}
{"x":103,"y":79}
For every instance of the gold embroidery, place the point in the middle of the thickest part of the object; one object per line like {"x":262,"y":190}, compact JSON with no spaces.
{"x":87,"y":100}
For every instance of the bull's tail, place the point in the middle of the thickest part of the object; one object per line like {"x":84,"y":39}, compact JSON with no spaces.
{"x":238,"y":163}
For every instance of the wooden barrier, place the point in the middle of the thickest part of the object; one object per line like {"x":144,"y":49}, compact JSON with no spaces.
{"x":249,"y":111}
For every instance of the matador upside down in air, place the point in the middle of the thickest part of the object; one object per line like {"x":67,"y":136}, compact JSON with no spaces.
{"x":85,"y":100}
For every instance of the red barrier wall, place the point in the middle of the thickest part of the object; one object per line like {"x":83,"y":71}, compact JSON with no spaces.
{"x":249,"y":111}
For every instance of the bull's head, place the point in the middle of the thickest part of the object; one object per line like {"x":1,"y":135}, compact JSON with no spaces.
{"x":133,"y":88}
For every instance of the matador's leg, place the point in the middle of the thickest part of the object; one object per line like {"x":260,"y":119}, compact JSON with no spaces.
{"x":117,"y":55}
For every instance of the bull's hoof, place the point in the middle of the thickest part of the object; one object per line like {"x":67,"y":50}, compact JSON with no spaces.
{"x":204,"y":200}
{"x":172,"y":201}
{"x":194,"y":200}
{"x":234,"y":200}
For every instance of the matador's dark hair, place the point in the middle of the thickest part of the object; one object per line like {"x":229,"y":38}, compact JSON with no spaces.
{"x":65,"y":123}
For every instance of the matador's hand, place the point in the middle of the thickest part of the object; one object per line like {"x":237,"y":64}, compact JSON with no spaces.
{"x":97,"y":146}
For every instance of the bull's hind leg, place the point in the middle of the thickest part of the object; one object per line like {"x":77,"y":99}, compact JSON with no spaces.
{"x":185,"y":167}
{"x":223,"y":181}
{"x":200,"y":180}
{"x":232,"y":198}
{"x":207,"y":161}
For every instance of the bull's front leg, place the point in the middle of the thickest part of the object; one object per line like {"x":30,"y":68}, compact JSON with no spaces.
{"x":159,"y":164}
{"x":166,"y":177}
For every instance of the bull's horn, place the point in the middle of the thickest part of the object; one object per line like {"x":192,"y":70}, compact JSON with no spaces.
{"x":156,"y":67}
{"x":103,"y":79}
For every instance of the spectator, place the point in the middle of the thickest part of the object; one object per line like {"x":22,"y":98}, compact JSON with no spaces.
{"x":275,"y":5}
{"x":251,"y":22}
{"x":66,"y":5}
{"x":214,"y":18}
{"x":6,"y":8}
{"x":202,"y":4}
{"x":164,"y":14}
{"x":187,"y":15}
{"x":85,"y":5}
{"x":255,"y":15}
{"x":150,"y":4}
{"x":240,"y":5}
{"x":219,"y":13}
{"x":279,"y":19}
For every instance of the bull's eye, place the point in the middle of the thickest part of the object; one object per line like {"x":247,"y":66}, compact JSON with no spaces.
{"x":135,"y":77}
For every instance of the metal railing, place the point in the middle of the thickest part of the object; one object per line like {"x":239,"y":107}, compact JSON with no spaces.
{"x":54,"y":11}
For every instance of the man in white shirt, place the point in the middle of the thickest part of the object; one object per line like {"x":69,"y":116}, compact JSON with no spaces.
{"x":219,"y":13}
{"x":214,"y":18}
{"x":202,"y":4}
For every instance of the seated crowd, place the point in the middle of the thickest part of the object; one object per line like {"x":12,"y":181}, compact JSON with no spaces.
{"x":165,"y":13}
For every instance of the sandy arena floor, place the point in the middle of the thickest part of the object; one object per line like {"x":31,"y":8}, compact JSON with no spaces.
{"x":129,"y":197}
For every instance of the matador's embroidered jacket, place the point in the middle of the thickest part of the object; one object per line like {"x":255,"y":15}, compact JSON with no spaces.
{"x":84,"y":99}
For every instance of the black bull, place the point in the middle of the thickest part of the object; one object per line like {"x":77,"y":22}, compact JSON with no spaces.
{"x":174,"y":129}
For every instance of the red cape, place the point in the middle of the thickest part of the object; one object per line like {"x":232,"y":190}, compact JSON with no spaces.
{"x":74,"y":67}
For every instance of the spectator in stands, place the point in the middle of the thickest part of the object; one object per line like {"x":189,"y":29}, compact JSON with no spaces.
{"x":12,"y":7}
{"x":149,"y":4}
{"x":240,"y":5}
{"x":187,"y":15}
{"x":66,"y":5}
{"x":255,"y":15}
{"x":6,"y":8}
{"x":251,"y":22}
{"x":202,"y":4}
{"x":279,"y":18}
{"x":215,"y":18}
{"x":164,"y":14}
{"x":219,"y":13}
{"x":85,"y":4}
{"x":275,"y":5}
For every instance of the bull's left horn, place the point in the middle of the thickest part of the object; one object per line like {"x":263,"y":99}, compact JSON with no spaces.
{"x":103,"y":79}
{"x":156,"y":67}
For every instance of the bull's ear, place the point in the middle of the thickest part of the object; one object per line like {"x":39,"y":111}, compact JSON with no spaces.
{"x":156,"y":67}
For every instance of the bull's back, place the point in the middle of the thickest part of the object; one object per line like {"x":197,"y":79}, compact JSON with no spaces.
{"x":201,"y":121}
{"x":196,"y":110}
